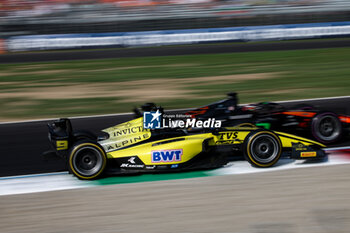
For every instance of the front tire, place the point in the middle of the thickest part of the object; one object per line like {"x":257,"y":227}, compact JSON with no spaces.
{"x":262,"y":148}
{"x":87,"y":160}
{"x":326,"y":127}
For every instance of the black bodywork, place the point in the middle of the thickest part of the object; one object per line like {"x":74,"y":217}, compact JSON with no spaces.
{"x":304,"y":120}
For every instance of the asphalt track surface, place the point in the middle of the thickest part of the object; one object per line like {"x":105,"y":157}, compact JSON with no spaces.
{"x":312,"y":200}
{"x":21,"y":144}
{"x":173,"y":50}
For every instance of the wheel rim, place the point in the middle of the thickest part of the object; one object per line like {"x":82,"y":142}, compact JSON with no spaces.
{"x":87,"y":161}
{"x":264,"y":148}
{"x":328,"y":128}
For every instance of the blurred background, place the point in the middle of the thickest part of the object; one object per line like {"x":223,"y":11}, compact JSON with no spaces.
{"x":23,"y":17}
{"x":64,"y":57}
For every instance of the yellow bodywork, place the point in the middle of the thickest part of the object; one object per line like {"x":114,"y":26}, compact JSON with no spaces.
{"x":288,"y":139}
{"x":230,"y":137}
{"x":237,"y":135}
{"x":190,"y":146}
{"x":124,"y":141}
{"x":125,"y":134}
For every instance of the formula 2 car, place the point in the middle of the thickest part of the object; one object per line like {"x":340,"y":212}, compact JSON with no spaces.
{"x":305,"y":120}
{"x":130,"y":148}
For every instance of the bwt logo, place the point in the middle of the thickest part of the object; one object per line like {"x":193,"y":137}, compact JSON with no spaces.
{"x":152,"y":120}
{"x":159,"y":156}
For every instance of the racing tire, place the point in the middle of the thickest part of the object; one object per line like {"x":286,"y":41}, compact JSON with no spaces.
{"x":87,"y":160}
{"x":262,"y":148}
{"x":326,"y":127}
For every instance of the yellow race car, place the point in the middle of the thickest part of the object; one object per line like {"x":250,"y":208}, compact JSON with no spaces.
{"x":131,"y":148}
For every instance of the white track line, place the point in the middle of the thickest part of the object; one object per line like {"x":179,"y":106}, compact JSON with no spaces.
{"x":36,"y":184}
{"x":313,"y":99}
{"x":128,"y":113}
{"x":63,"y":173}
{"x":32,"y":175}
{"x":337,"y":148}
{"x":62,"y":181}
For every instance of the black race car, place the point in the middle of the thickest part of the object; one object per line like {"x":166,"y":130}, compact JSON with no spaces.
{"x":324,"y":126}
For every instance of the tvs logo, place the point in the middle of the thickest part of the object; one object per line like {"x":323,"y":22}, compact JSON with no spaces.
{"x":159,"y":156}
{"x":152,"y":120}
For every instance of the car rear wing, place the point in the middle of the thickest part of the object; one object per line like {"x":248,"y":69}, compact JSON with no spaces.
{"x":60,"y":134}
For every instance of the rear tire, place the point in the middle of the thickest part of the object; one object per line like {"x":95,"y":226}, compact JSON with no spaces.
{"x":87,"y":160}
{"x":262,"y":148}
{"x":326,"y":127}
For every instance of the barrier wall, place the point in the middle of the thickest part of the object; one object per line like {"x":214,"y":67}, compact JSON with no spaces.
{"x":171,"y":37}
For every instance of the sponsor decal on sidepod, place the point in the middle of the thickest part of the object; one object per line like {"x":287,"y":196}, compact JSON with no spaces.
{"x":159,"y":156}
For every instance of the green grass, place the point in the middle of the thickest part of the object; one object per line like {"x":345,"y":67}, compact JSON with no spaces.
{"x":103,"y":85}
